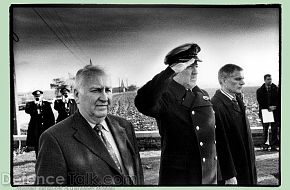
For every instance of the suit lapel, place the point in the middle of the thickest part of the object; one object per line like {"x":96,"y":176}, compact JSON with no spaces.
{"x":85,"y":135}
{"x":236,"y":107}
{"x":248,"y":128}
{"x":229,"y":103}
{"x":241,"y":103}
{"x":124,"y":146}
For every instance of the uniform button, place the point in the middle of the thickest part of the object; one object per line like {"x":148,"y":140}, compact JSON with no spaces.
{"x":201,"y":143}
{"x":215,"y":126}
{"x":215,"y":158}
{"x":193,"y":112}
{"x":197,"y":128}
{"x":203,"y":159}
{"x":214,"y":142}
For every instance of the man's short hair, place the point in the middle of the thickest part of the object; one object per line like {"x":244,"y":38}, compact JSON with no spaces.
{"x":87,"y":72}
{"x":227,"y":70}
{"x":266,"y":75}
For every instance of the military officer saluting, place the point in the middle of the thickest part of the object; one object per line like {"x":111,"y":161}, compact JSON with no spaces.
{"x":41,"y":118}
{"x":185,"y":119}
{"x":65,"y":106}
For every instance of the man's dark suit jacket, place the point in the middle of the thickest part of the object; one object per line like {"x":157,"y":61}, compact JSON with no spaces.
{"x":72,"y":154}
{"x":274,"y":100}
{"x":234,"y":140}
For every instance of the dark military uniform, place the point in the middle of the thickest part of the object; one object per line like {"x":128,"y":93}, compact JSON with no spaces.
{"x":186,"y":125}
{"x":41,"y":119}
{"x":64,"y":109}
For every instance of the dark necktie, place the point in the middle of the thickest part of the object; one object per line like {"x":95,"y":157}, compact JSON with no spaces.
{"x":99,"y":129}
{"x":268,"y":95}
{"x":236,"y":104}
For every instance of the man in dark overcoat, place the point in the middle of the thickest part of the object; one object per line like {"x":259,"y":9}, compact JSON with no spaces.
{"x":91,"y":147}
{"x":268,"y":98}
{"x":185,"y":119}
{"x":41,"y":118}
{"x":65,"y":106}
{"x":233,"y":134}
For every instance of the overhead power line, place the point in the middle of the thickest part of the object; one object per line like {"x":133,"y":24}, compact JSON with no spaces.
{"x":71,"y":37}
{"x":56,"y":35}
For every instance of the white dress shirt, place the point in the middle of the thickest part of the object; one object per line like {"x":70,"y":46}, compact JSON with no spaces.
{"x":231,"y":97}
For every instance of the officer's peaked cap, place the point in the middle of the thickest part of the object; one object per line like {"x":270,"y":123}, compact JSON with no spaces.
{"x":183,"y":53}
{"x":37,"y":93}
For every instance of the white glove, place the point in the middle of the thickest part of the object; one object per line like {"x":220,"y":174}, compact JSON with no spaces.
{"x":272,"y":108}
{"x":231,"y":181}
{"x":179,"y":67}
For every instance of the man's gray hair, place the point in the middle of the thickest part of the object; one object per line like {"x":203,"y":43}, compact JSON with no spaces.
{"x":87,"y":72}
{"x":227,"y":70}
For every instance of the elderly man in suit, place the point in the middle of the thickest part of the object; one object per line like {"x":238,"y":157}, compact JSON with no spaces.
{"x":91,"y":147}
{"x":65,"y":106}
{"x":233,"y":135}
{"x":41,"y":118}
{"x":185,"y":119}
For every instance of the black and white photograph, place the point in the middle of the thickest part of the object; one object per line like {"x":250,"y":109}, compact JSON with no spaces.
{"x":145,"y":95}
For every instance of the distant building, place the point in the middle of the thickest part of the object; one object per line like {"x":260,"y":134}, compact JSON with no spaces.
{"x":120,"y":89}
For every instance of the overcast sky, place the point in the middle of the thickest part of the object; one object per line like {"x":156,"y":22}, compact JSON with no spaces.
{"x":131,"y":42}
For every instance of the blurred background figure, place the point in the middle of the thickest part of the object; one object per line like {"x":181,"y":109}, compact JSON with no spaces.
{"x":268,"y":98}
{"x":65,"y":106}
{"x":41,"y":118}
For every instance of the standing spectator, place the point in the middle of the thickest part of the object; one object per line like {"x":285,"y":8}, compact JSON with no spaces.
{"x":41,"y":118}
{"x":65,"y":106}
{"x":185,"y":119}
{"x":233,"y":134}
{"x":268,"y":98}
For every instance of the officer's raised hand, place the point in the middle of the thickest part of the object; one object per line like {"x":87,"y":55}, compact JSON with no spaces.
{"x":182,"y":57}
{"x":179,"y":67}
